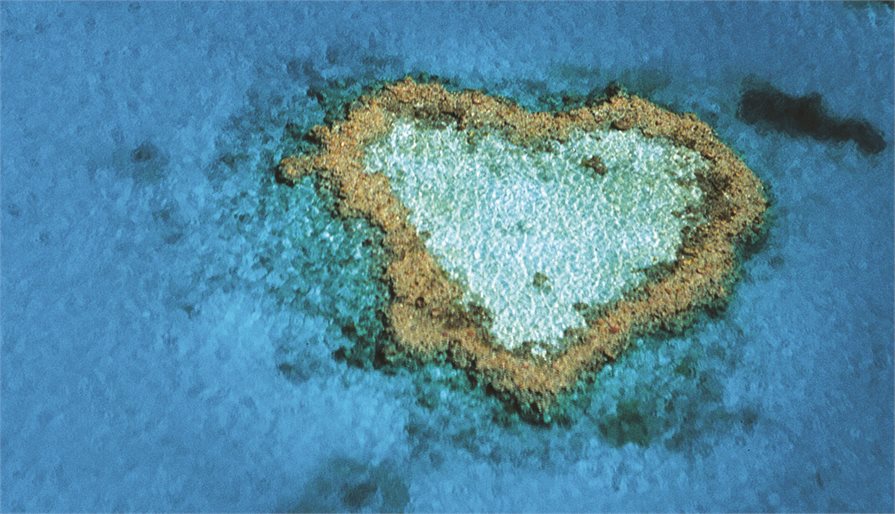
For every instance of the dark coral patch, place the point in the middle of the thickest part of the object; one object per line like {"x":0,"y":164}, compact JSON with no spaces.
{"x":348,"y":485}
{"x":768,"y":107}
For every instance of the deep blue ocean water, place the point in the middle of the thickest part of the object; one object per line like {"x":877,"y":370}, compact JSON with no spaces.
{"x":170,"y":314}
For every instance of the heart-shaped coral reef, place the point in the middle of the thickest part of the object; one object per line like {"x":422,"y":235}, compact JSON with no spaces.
{"x":531,"y":247}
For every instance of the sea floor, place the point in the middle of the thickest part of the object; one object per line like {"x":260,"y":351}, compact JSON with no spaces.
{"x":173,"y":319}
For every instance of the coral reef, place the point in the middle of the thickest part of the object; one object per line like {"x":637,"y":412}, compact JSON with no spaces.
{"x":689,"y":202}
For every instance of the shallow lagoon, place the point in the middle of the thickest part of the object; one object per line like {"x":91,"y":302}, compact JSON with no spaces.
{"x":531,"y":233}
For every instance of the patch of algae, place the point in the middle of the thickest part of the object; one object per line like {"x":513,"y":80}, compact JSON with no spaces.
{"x":685,"y":205}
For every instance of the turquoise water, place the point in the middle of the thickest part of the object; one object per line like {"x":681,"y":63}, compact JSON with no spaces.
{"x":175,"y":325}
